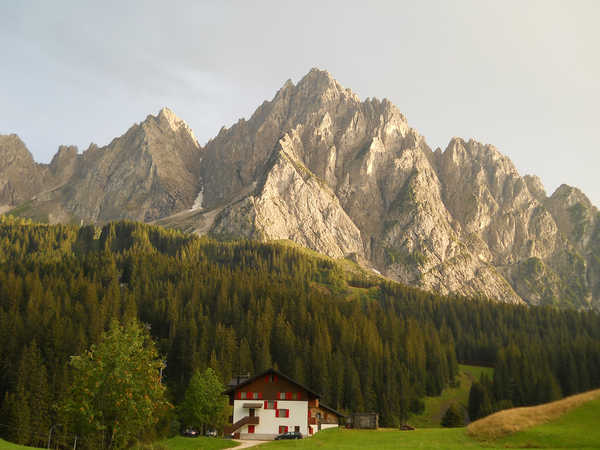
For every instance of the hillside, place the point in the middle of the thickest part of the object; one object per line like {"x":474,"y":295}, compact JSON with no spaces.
{"x":342,"y":176}
{"x":457,"y":393}
{"x":363,"y":342}
{"x":519,"y":420}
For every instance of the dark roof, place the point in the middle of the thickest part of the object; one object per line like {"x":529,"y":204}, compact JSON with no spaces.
{"x":337,"y":413}
{"x":266,"y":372}
{"x":238,"y":379}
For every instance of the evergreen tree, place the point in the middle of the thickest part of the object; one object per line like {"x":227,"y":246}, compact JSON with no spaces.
{"x":452,"y":417}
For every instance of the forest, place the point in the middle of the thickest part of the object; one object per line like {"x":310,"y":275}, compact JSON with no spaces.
{"x":365,"y":343}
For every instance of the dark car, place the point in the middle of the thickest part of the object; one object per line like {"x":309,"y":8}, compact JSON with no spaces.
{"x":190,"y":432}
{"x":289,"y":435}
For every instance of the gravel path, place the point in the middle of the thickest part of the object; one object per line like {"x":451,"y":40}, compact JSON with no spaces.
{"x":248,"y":443}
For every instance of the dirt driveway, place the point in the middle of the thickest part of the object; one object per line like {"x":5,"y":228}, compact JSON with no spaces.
{"x":247,"y":443}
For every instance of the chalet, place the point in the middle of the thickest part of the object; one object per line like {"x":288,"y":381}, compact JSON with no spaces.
{"x":272,"y":403}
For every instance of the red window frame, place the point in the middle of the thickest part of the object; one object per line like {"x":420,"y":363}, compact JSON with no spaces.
{"x":250,"y":428}
{"x":274,"y":406}
{"x":283,"y":429}
{"x":282,"y":413}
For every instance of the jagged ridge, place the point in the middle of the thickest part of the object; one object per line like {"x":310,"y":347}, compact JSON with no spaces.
{"x":346,"y":178}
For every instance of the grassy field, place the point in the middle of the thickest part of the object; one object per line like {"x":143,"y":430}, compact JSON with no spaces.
{"x":10,"y":446}
{"x":576,"y":428}
{"x":176,"y":443}
{"x":199,"y":443}
{"x":435,"y":407}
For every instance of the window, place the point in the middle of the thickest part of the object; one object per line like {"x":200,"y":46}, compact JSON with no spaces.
{"x":270,"y":404}
{"x":283,"y":429}
{"x":310,"y":430}
{"x":282,"y":413}
{"x":243,"y":395}
{"x":250,"y":428}
{"x":282,"y":396}
{"x":296,"y":396}
{"x":297,"y":428}
{"x":255,"y":395}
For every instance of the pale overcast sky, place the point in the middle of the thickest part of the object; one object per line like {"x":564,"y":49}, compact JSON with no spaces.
{"x":522,"y":75}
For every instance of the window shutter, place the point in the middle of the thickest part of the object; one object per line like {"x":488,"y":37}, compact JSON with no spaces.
{"x":299,"y":395}
{"x":275,"y":378}
{"x":260,"y":395}
{"x":287,"y":413}
{"x":288,"y":395}
{"x":275,"y":404}
{"x":267,"y":379}
{"x":239,"y":395}
{"x":276,"y":413}
{"x":286,"y":429}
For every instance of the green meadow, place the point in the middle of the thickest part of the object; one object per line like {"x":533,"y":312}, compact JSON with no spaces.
{"x":579,"y":428}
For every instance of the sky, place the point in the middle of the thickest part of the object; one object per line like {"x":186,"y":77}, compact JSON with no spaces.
{"x":521,"y":75}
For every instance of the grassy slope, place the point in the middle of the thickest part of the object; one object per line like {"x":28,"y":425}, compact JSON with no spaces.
{"x":4,"y":445}
{"x":435,"y":407}
{"x":579,"y":428}
{"x":176,"y":443}
{"x":199,"y":443}
{"x":513,"y":420}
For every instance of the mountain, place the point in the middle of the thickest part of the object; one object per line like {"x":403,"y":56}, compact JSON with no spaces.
{"x":345,"y":177}
{"x":149,"y":172}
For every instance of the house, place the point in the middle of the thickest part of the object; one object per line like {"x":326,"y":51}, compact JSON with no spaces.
{"x":272,"y":403}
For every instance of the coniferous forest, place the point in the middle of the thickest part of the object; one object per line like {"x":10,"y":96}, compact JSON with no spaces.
{"x":240,"y":306}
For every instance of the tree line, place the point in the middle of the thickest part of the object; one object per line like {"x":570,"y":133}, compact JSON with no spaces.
{"x":244,"y":306}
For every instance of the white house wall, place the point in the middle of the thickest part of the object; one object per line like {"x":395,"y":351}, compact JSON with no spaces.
{"x":268,"y":426}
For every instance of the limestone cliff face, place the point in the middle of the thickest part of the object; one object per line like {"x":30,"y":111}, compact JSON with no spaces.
{"x":149,"y":172}
{"x":344,"y":177}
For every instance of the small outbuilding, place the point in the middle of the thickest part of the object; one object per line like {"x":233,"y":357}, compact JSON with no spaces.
{"x":369,"y":421}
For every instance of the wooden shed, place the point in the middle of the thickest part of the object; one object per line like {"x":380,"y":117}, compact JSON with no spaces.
{"x":368,"y":421}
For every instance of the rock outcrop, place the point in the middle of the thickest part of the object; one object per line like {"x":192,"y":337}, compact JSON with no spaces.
{"x":341,"y":176}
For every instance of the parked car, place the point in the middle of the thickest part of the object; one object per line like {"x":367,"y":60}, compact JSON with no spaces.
{"x":190,"y":432}
{"x":289,"y":435}
{"x":211,"y":433}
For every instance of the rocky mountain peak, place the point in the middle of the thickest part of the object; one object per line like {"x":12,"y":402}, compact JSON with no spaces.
{"x":167,"y":120}
{"x":20,"y":176}
{"x":13,"y":151}
{"x":319,"y":85}
{"x":64,"y":163}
